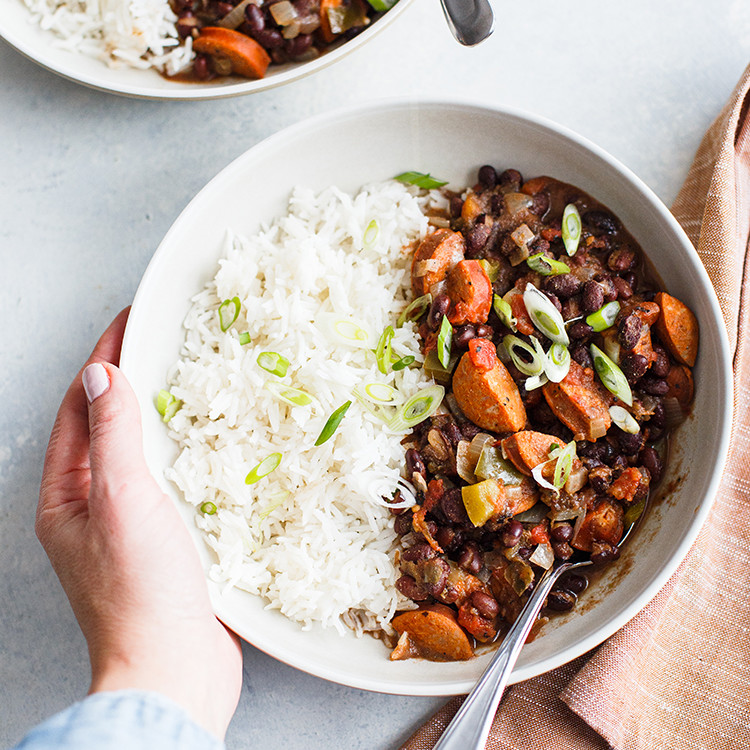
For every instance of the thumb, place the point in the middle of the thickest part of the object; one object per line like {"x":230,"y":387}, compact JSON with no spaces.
{"x":115,"y":437}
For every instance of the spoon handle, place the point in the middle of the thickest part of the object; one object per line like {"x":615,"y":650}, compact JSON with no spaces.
{"x":470,"y":726}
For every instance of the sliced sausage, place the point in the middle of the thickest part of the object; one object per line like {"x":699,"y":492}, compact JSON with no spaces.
{"x":486,"y":392}
{"x":470,"y":291}
{"x":435,"y":633}
{"x":681,"y":385}
{"x":527,"y":449}
{"x":247,"y":57}
{"x":677,"y":328}
{"x":434,"y":258}
{"x":580,"y":403}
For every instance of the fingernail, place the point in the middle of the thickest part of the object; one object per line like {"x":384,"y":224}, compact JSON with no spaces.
{"x":95,"y":381}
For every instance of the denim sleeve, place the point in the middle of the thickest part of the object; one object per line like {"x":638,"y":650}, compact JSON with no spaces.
{"x":121,"y":720}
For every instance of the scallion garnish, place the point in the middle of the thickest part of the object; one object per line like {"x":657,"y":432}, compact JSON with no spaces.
{"x":564,"y":464}
{"x":546,"y":266}
{"x":274,"y":363}
{"x":382,"y":5}
{"x":380,"y":393}
{"x":229,"y":309}
{"x":535,"y":381}
{"x":445,"y":339}
{"x":544,"y":315}
{"x":403,"y":362}
{"x":533,"y":361}
{"x":244,"y":338}
{"x":332,"y":424}
{"x":347,"y":330}
{"x":504,"y":311}
{"x":208,"y":508}
{"x":611,"y":375}
{"x":414,"y":309}
{"x":370,"y":236}
{"x":264,"y":468}
{"x":604,"y":317}
{"x":167,"y":405}
{"x":421,"y":405}
{"x":571,"y":228}
{"x":624,"y":419}
{"x":421,"y":180}
{"x":557,"y":363}
{"x":289,"y":395}
{"x":383,"y":349}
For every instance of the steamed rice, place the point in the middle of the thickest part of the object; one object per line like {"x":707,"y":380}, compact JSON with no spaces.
{"x":311,"y":538}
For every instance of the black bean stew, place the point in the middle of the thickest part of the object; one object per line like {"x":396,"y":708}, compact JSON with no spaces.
{"x":242,"y":37}
{"x":565,"y":369}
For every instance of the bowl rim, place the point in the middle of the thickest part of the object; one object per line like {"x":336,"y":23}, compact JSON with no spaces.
{"x":44,"y":56}
{"x":724,"y":375}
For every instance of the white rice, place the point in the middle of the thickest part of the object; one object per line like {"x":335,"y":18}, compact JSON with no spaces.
{"x":310,"y":538}
{"x":132,"y":33}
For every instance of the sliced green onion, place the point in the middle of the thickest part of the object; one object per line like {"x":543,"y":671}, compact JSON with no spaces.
{"x":445,"y":339}
{"x":403,"y":362}
{"x":624,"y":419}
{"x":274,"y":363}
{"x":544,"y":315}
{"x":167,"y":405}
{"x":421,"y":180}
{"x":546,"y":266}
{"x":383,"y":349}
{"x":491,"y":268}
{"x":229,"y":309}
{"x":534,"y":364}
{"x":381,"y":394}
{"x":571,"y":228}
{"x":564,"y":464}
{"x":208,"y":508}
{"x":535,"y":381}
{"x":264,"y":468}
{"x":611,"y":375}
{"x":272,"y":507}
{"x":289,"y":395}
{"x":557,"y":363}
{"x":370,"y":236}
{"x":244,"y":338}
{"x":604,"y":317}
{"x":422,"y":404}
{"x":332,"y":424}
{"x":382,"y":5}
{"x":414,"y":309}
{"x":538,"y":476}
{"x":504,"y":311}
{"x":347,"y":330}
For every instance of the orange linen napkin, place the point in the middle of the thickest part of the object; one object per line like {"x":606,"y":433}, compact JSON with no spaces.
{"x":677,"y":677}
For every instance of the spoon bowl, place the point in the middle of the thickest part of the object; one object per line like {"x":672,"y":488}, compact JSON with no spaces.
{"x":470,"y":21}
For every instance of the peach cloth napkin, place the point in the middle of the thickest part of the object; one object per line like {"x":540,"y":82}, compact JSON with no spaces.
{"x":678,"y":675}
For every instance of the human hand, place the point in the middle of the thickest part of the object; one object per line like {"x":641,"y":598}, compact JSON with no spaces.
{"x":123,"y":555}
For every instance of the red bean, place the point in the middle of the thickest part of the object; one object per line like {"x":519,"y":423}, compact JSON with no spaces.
{"x":411,"y":589}
{"x":254,"y":17}
{"x":603,"y":552}
{"x":298,"y":45}
{"x":476,"y":239}
{"x":470,"y":558}
{"x":624,"y":290}
{"x":201,"y":68}
{"x":487,"y":176}
{"x":593,"y":296}
{"x":563,"y":285}
{"x":580,"y":331}
{"x":417,"y":552}
{"x":485,"y":604}
{"x":484,"y":331}
{"x":600,"y":220}
{"x":511,"y":533}
{"x":438,"y":308}
{"x":511,"y":179}
{"x":561,"y":601}
{"x":415,"y":463}
{"x":651,"y":459}
{"x":562,"y":550}
{"x":654,"y":386}
{"x":621,"y":259}
{"x":562,"y":533}
{"x":661,"y":365}
{"x":402,"y":524}
{"x":269,"y":38}
{"x":462,"y":335}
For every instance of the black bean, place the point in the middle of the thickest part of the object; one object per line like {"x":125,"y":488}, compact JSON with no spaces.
{"x":483,"y":331}
{"x":651,"y":459}
{"x":619,"y":462}
{"x":631,"y":279}
{"x":608,"y":287}
{"x":661,"y":366}
{"x":659,"y":417}
{"x":417,"y":552}
{"x":600,"y":478}
{"x":633,"y":365}
{"x":604,"y":552}
{"x":562,"y":550}
{"x":601,"y":221}
{"x":438,"y":308}
{"x":452,"y":506}
{"x":222,"y":9}
{"x":456,"y":206}
{"x":511,"y":533}
{"x":415,"y":463}
{"x":255,"y":18}
{"x":487,"y":176}
{"x":561,"y":601}
{"x":485,"y":604}
{"x":411,"y":589}
{"x":573,"y":582}
{"x":629,"y":444}
{"x":470,"y":558}
{"x":562,"y":533}
{"x":524,"y":552}
{"x":596,"y":450}
{"x":581,"y":354}
{"x":629,"y":330}
{"x":511,"y":180}
{"x":462,"y":335}
{"x":580,"y":331}
{"x":540,"y":204}
{"x":621,"y":259}
{"x":563,"y":285}
{"x":402,"y":524}
{"x":593,"y":296}
{"x":654,"y":386}
{"x":476,"y":239}
{"x":624,"y":290}
{"x":201,"y":68}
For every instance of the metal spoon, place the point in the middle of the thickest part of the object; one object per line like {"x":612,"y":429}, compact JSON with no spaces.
{"x":469,"y":728}
{"x":470,"y":21}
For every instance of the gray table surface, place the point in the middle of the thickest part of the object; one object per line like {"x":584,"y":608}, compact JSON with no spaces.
{"x":89,"y":184}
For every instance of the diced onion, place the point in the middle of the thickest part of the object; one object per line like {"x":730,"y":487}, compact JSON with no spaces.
{"x":571,"y":228}
{"x":544,"y":315}
{"x":264,"y":468}
{"x":543,"y":556}
{"x":476,"y":446}
{"x":611,"y":375}
{"x":283,"y":12}
{"x":517,"y":202}
{"x":536,"y":473}
{"x":235,"y":16}
{"x":536,"y":355}
{"x":535,"y":514}
{"x":624,"y":419}
{"x":557,"y":363}
{"x":491,"y":268}
{"x":673,"y":412}
{"x":464,"y":464}
{"x":414,"y":309}
{"x":522,"y":235}
{"x":604,"y":317}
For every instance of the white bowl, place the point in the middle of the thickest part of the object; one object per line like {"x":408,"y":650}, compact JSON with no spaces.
{"x":38,"y":45}
{"x":355,"y":146}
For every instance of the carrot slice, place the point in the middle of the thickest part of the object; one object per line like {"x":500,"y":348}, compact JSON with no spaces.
{"x":677,"y":328}
{"x":248,"y":58}
{"x":433,"y":630}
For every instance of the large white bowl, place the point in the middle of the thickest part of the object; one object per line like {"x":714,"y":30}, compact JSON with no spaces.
{"x":355,"y":146}
{"x":29,"y":39}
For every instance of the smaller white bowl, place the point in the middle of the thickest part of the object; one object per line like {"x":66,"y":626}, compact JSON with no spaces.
{"x":348,"y":149}
{"x":17,"y":28}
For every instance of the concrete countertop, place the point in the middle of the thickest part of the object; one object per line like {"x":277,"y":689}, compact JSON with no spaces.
{"x":89,"y":184}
